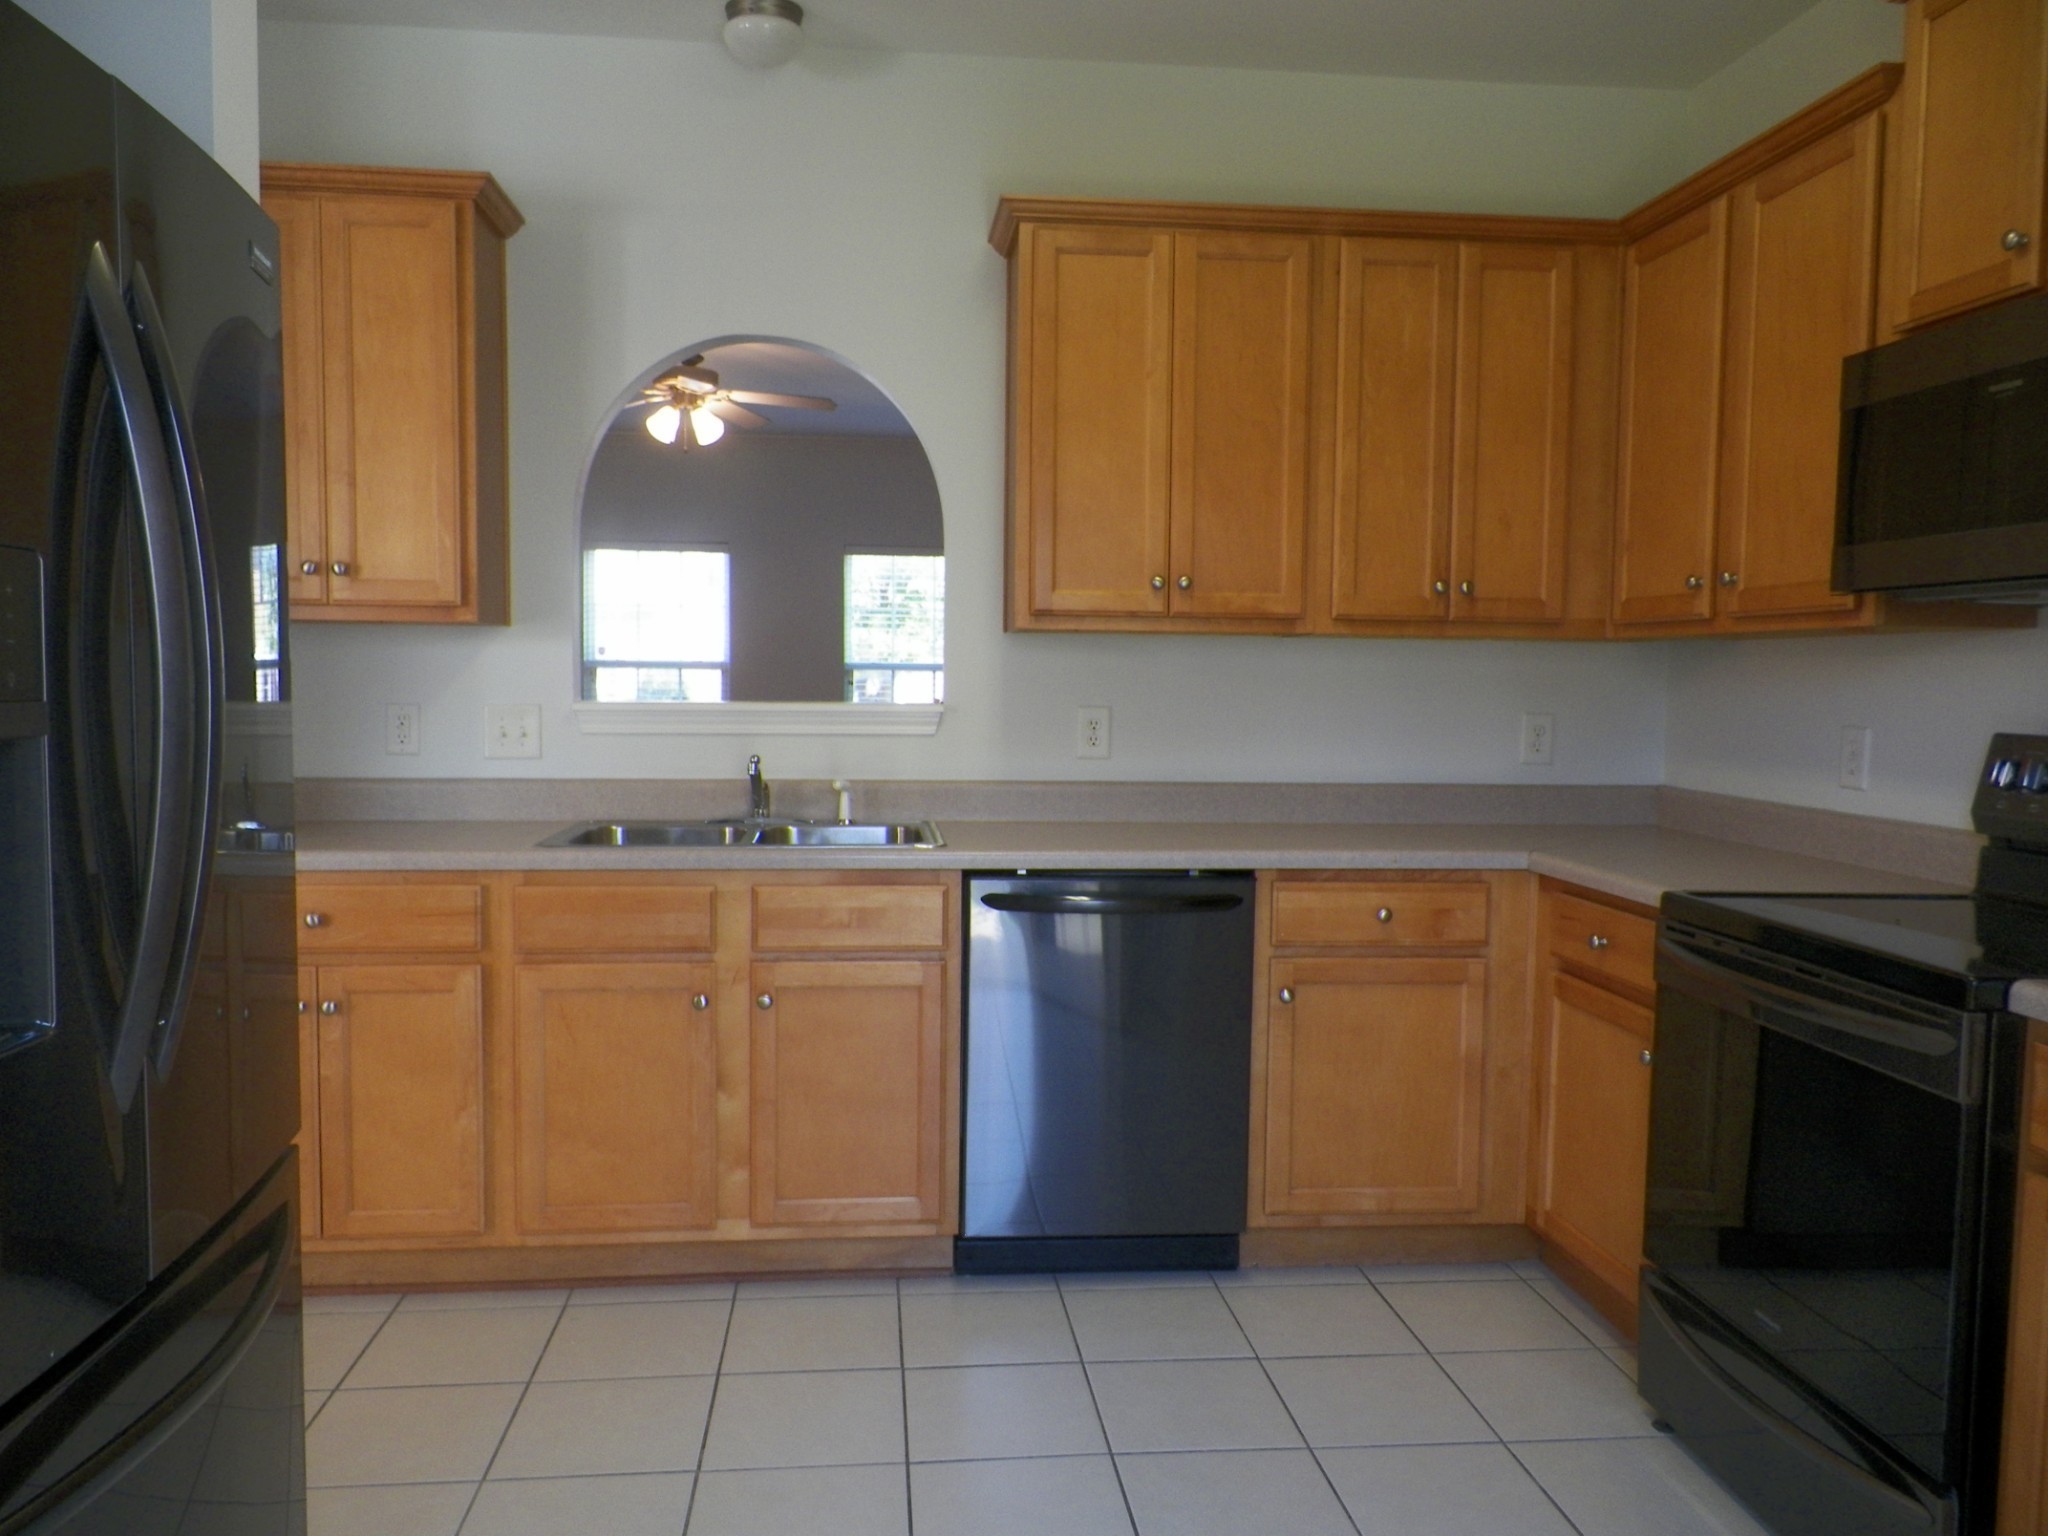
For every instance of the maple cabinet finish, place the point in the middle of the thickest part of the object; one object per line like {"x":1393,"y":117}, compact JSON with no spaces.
{"x":2023,"y":1473}
{"x":1965,"y":200}
{"x":1592,"y":1123}
{"x":414,"y":915}
{"x":1388,"y":1071}
{"x":393,"y":291}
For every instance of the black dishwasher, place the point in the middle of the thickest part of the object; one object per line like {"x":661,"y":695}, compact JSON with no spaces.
{"x":1108,"y":1071}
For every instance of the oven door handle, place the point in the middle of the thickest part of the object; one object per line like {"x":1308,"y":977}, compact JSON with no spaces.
{"x":1933,"y":1058}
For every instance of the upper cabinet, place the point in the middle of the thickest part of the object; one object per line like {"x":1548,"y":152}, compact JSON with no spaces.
{"x":1964,"y":219}
{"x":393,"y":291}
{"x":1290,"y":421}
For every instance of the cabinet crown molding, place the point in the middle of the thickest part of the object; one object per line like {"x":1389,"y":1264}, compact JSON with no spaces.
{"x":478,"y":187}
{"x":1013,"y":213}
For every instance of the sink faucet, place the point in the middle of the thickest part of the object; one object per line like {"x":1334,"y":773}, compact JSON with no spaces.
{"x":757,"y":791}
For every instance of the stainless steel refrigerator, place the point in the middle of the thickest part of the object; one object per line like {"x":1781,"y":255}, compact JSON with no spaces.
{"x":150,"y":1375}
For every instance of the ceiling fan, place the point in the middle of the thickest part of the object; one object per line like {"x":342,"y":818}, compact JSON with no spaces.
{"x":690,"y":393}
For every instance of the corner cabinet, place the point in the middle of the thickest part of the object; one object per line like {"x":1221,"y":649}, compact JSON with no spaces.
{"x":393,"y":291}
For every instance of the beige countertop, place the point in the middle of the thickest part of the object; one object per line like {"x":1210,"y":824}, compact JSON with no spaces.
{"x":1634,"y":863}
{"x":2031,"y":999}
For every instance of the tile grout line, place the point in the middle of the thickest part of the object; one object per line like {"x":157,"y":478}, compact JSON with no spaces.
{"x":903,"y":1396}
{"x":524,"y":1387}
{"x":1088,"y":1380}
{"x":732,"y":1307}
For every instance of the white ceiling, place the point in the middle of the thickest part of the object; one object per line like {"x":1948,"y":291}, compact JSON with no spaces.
{"x":1656,"y":43}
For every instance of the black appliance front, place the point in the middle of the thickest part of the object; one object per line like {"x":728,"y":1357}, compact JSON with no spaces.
{"x":1819,"y":1325}
{"x":1108,"y":1071}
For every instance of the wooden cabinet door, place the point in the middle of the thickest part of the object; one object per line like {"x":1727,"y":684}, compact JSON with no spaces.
{"x":1375,"y":1085}
{"x":1240,"y":425}
{"x":308,"y":1141}
{"x":2023,"y":1474}
{"x":1095,"y":445}
{"x":263,"y":1080}
{"x":297,"y":215}
{"x":401,"y":1100}
{"x":1595,"y":1118}
{"x":1971,"y":169}
{"x":1802,"y":262}
{"x":1513,"y":464}
{"x":1670,"y":419}
{"x":1397,"y":310}
{"x":847,"y":1110}
{"x":618,"y":1097}
{"x":395,"y":397}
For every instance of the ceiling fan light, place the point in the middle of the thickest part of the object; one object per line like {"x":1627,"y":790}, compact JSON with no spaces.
{"x":663,"y":422}
{"x":763,"y":33}
{"x":705,"y":426}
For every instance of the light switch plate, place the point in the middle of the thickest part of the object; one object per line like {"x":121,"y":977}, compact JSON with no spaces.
{"x":512,"y":730}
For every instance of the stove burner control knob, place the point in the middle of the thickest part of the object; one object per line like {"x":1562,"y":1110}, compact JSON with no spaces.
{"x":2034,"y":776}
{"x":2002,"y":773}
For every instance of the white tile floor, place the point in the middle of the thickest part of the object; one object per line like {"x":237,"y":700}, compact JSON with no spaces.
{"x":1476,"y":1400}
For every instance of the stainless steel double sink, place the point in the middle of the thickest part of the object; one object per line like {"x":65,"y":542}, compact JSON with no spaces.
{"x":747,"y":833}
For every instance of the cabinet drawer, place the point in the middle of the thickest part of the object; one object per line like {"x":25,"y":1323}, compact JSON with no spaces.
{"x":1587,"y":936}
{"x":1351,"y":915}
{"x":850,"y":917}
{"x":409,"y":919}
{"x":624,"y":919}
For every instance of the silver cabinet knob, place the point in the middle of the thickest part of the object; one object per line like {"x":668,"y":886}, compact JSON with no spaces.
{"x":302,"y":1005}
{"x":700,"y":1002}
{"x":1728,"y":578}
{"x":315,"y":919}
{"x":1597,"y":941}
{"x":1694,"y":583}
{"x":340,"y":567}
{"x":309,"y":567}
{"x":330,"y":1008}
{"x":247,"y":1015}
{"x":1464,"y":589}
{"x":2016,"y":240}
{"x":1287,"y":994}
{"x":1441,"y":588}
{"x":765,"y":1000}
{"x":1185,"y":582}
{"x":1647,"y":1058}
{"x":1385,"y":914}
{"x":1158,"y":583}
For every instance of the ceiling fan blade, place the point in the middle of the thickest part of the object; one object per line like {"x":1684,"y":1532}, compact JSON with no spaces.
{"x":793,"y":402}
{"x":739,"y":413}
{"x":687,"y":376}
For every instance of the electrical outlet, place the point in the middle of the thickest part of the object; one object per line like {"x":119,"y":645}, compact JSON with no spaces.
{"x":402,"y":730}
{"x":1855,"y":757}
{"x":1538,"y":735}
{"x":512,"y":730}
{"x":1091,"y":731}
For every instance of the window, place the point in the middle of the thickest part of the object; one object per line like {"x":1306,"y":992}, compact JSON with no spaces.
{"x":656,"y":625}
{"x":266,"y":655}
{"x":895,"y":629}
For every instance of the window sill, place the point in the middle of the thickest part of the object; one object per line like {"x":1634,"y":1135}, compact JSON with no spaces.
{"x":759,"y":719}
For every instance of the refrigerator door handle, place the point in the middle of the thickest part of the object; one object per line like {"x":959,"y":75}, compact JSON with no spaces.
{"x":207,"y":653}
{"x":169,"y":601}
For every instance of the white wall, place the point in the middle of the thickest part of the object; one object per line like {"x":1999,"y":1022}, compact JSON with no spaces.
{"x":845,"y":200}
{"x":1833,"y":42}
{"x":193,"y":60}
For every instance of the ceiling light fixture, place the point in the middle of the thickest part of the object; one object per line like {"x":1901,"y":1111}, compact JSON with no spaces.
{"x":763,"y":33}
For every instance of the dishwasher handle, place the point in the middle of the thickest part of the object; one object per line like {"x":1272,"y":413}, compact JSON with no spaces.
{"x":1108,"y":906}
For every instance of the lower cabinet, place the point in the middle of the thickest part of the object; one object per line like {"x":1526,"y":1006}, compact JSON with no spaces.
{"x":2023,"y":1474}
{"x":1594,"y":1050}
{"x":401,"y":1099}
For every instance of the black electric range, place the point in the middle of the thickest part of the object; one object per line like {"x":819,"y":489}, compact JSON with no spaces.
{"x":1834,"y":1114}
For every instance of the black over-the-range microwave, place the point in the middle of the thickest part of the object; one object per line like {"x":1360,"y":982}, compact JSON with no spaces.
{"x":1944,"y":478}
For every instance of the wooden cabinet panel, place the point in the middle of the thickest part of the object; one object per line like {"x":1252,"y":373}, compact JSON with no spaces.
{"x":1375,"y":1085}
{"x":1348,"y":914}
{"x":1803,"y":252}
{"x":1595,"y":1129}
{"x":1971,"y":146}
{"x":2023,"y":1469}
{"x":1670,"y":425}
{"x":1097,"y":307}
{"x":395,"y":398}
{"x":401,"y":1052}
{"x":1240,"y":425}
{"x":864,"y":918}
{"x":847,"y":1107}
{"x":617,"y":1106}
{"x":1617,"y":947}
{"x":305,"y":395}
{"x":616,"y":919}
{"x":1514,"y":433}
{"x":264,"y":1082}
{"x":404,"y":919}
{"x":1397,"y":310}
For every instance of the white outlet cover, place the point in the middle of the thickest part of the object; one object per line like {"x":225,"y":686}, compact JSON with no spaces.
{"x":1539,"y":739}
{"x":1091,"y":731}
{"x":1856,"y":742}
{"x":512,"y":730}
{"x":402,"y":730}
